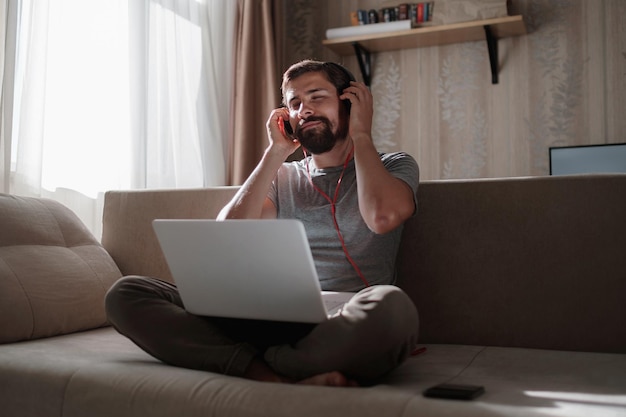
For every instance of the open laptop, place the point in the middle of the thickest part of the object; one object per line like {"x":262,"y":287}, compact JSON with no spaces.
{"x":252,"y":269}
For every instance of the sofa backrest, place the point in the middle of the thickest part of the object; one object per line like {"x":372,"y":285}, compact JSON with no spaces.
{"x":53,"y":272}
{"x":127,"y":232}
{"x":527,"y":262}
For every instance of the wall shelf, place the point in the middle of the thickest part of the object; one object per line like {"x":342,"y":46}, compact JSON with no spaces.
{"x":489,"y":30}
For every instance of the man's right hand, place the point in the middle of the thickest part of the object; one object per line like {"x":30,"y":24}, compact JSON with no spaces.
{"x":280,"y":142}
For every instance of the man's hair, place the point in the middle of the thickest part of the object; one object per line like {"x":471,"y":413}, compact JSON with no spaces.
{"x":336,"y":74}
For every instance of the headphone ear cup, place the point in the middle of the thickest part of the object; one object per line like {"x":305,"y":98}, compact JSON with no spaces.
{"x":348,"y":105}
{"x":350,"y":77}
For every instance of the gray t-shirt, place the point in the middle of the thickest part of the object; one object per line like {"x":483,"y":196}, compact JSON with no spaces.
{"x":374,"y":254}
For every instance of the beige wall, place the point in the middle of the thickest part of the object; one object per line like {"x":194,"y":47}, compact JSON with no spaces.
{"x":564,"y":83}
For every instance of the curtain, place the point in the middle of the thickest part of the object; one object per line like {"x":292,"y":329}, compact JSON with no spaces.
{"x":257,"y":81}
{"x":70,"y":105}
{"x":6,"y":59}
{"x":111,"y":94}
{"x":182,"y":103}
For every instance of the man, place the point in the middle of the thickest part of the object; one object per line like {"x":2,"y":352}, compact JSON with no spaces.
{"x":354,"y":233}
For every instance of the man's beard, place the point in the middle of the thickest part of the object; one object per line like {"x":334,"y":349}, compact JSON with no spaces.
{"x":321,"y":139}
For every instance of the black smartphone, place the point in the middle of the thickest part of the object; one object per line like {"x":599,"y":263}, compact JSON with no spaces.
{"x":454,"y":391}
{"x":288,"y":128}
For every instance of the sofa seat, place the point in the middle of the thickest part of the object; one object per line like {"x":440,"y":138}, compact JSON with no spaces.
{"x":101,"y":373}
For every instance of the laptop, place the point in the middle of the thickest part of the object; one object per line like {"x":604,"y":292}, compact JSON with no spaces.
{"x":249,"y":269}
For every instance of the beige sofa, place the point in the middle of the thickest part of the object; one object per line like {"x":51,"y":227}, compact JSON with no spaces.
{"x":520,"y":284}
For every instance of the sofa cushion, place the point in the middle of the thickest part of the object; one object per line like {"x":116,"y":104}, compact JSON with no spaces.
{"x":533,"y":262}
{"x":53,"y":272}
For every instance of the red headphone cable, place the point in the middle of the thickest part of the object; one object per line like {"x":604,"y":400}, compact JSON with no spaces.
{"x":333,"y":211}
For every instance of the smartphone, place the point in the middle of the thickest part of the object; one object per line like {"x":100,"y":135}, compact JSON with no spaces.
{"x":454,"y":391}
{"x":288,"y":128}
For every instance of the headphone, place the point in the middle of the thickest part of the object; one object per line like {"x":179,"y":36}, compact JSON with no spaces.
{"x":348,"y":75}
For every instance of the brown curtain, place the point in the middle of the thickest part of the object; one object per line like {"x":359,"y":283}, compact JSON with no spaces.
{"x":257,"y":83}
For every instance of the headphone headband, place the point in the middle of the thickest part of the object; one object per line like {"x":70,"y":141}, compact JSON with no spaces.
{"x":343,"y":69}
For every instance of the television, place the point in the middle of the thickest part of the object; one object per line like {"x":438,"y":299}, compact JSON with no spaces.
{"x":586,"y":159}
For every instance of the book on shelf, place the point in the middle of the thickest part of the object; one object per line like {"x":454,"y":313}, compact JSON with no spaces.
{"x":387,"y":19}
{"x":368,"y":29}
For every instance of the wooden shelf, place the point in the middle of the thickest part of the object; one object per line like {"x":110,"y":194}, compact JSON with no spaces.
{"x":490,"y":30}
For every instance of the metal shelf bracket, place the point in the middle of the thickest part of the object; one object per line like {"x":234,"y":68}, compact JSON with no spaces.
{"x":492,"y":47}
{"x":365,"y":63}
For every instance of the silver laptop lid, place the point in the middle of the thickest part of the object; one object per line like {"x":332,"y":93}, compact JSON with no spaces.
{"x":255,"y":269}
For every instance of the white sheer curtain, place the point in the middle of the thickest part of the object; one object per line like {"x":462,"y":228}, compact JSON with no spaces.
{"x":118,"y":94}
{"x":183,"y":50}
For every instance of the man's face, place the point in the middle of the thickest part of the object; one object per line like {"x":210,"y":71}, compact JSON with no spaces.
{"x":322,"y":118}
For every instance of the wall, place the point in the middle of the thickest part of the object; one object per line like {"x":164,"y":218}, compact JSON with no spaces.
{"x":564,"y":83}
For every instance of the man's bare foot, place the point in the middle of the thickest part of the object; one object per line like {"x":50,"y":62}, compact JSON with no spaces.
{"x":329,"y":379}
{"x":259,"y":371}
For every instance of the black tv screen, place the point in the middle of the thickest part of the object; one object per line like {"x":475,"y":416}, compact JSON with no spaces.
{"x":605,"y":158}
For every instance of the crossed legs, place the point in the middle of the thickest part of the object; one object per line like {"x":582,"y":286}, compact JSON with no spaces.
{"x":373,"y":334}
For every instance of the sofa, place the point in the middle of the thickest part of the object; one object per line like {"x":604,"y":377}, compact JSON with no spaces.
{"x":520,"y":284}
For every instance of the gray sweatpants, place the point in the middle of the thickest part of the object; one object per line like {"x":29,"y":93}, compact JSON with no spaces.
{"x":374,"y":333}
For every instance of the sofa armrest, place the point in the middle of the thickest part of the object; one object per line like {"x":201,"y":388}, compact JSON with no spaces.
{"x":127,"y":232}
{"x":53,"y":271}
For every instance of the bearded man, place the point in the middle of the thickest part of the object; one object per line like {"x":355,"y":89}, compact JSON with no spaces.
{"x":353,"y":202}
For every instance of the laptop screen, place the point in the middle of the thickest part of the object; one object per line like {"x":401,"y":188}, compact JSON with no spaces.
{"x":606,"y":158}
